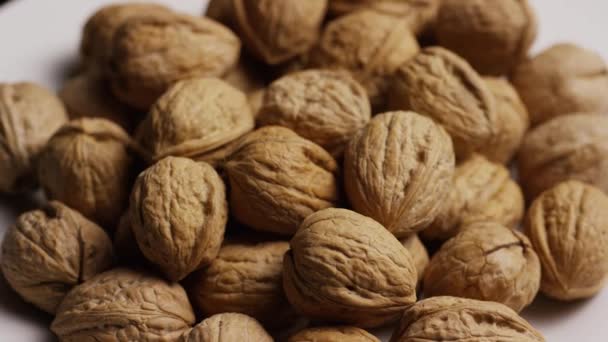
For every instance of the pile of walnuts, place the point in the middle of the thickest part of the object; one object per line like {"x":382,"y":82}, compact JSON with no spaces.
{"x":277,"y":169}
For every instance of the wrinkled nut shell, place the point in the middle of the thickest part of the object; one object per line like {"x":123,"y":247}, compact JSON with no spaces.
{"x":228,"y":327}
{"x":345,"y":267}
{"x":333,"y":334}
{"x":418,"y":252}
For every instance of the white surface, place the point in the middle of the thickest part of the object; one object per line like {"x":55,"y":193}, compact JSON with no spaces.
{"x":38,"y":43}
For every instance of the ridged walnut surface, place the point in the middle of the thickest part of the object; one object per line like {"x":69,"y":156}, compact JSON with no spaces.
{"x":419,"y":253}
{"x":228,"y":327}
{"x":398,"y":170}
{"x":333,"y":334}
{"x":485,"y":261}
{"x":459,"y":319}
{"x":47,"y":252}
{"x":178,"y":213}
{"x":345,"y":267}
{"x":568,"y":227}
{"x":124,"y":305}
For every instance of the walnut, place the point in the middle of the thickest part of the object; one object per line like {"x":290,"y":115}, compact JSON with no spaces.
{"x":48,"y":251}
{"x":492,"y":36}
{"x":88,"y":165}
{"x":125,"y":245}
{"x":567,"y":227}
{"x":345,"y":267}
{"x":333,"y":334}
{"x":247,"y":76}
{"x":369,"y":45}
{"x":441,"y":85}
{"x":481,"y":191}
{"x":124,"y":305}
{"x":178,"y":215}
{"x":557,"y":151}
{"x":29,"y":115}
{"x":221,"y":10}
{"x":485,"y":261}
{"x":228,"y":327}
{"x":278,"y":178}
{"x":324,"y":106}
{"x":149,"y":54}
{"x":459,"y":319}
{"x":398,"y":169}
{"x":419,"y":254}
{"x":561,"y":80}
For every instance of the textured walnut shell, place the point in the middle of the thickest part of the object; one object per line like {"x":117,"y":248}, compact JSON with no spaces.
{"x":568,"y":228}
{"x":459,"y":319}
{"x":228,"y":327}
{"x":49,"y":251}
{"x":492,"y":36}
{"x":369,"y":45}
{"x":178,"y":214}
{"x":124,"y":305}
{"x":278,"y":178}
{"x":561,"y":80}
{"x":439,"y":84}
{"x":418,"y":252}
{"x":485,"y":261}
{"x":29,"y":115}
{"x":345,"y":267}
{"x":149,"y":54}
{"x":88,"y":165}
{"x":481,"y":191}
{"x":327,"y":107}
{"x":398,"y":169}
{"x":333,"y":334}
{"x":571,"y":147}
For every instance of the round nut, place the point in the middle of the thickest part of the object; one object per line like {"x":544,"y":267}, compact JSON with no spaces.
{"x":398,"y":169}
{"x":485,"y":261}
{"x":221,"y":11}
{"x":327,"y":107}
{"x":333,"y":334}
{"x":49,"y":251}
{"x":278,"y":178}
{"x":228,"y":327}
{"x":124,"y":305}
{"x":29,"y":115}
{"x":178,"y":214}
{"x":567,"y":227}
{"x":419,"y":254}
{"x":492,"y":36}
{"x":345,"y":267}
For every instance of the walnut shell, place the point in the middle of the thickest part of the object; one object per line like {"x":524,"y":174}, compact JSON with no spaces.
{"x":398,"y":169}
{"x":327,"y":107}
{"x":124,"y":305}
{"x":149,"y":54}
{"x":228,"y":327}
{"x":567,"y":227}
{"x":485,"y":261}
{"x":333,"y":334}
{"x":492,"y":36}
{"x":29,"y":115}
{"x":561,"y":80}
{"x":418,"y":252}
{"x":369,"y":45}
{"x":481,"y":191}
{"x":178,"y":214}
{"x":278,"y":178}
{"x":459,"y":319}
{"x":88,"y":165}
{"x":48,"y":251}
{"x":557,"y":151}
{"x":345,"y":267}
{"x":443,"y":86}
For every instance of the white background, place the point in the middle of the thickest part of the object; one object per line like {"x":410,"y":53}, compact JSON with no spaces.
{"x":38,"y":41}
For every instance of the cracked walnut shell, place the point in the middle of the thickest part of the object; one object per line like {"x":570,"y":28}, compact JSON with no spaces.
{"x":228,"y":327}
{"x":333,"y":334}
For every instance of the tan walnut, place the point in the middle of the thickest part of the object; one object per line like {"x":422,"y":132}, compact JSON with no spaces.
{"x":398,"y":169}
{"x":419,"y":253}
{"x":278,"y":178}
{"x":485,"y":261}
{"x":327,"y":107}
{"x":49,"y":251}
{"x":568,"y":228}
{"x":333,"y":334}
{"x":345,"y":267}
{"x":228,"y":327}
{"x":124,"y":305}
{"x":460,"y":319}
{"x":29,"y":115}
{"x":178,"y":214}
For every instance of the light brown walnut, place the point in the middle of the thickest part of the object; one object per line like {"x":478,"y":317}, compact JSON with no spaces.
{"x":419,"y":253}
{"x":228,"y":327}
{"x":333,"y":334}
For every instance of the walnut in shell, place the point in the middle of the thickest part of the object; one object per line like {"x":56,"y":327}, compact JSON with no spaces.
{"x":178,"y":214}
{"x":345,"y":267}
{"x":124,"y":305}
{"x":49,"y":251}
{"x":398,"y":169}
{"x":485,"y":261}
{"x":29,"y":115}
{"x":228,"y":327}
{"x":419,"y":253}
{"x":327,"y":107}
{"x":333,"y":334}
{"x":568,"y":228}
